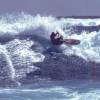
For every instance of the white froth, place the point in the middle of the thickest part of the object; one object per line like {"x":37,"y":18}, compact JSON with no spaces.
{"x":89,"y":48}
{"x":10,"y":68}
{"x":23,"y":57}
{"x":86,"y":49}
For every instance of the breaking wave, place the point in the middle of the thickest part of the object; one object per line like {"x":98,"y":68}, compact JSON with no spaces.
{"x":24,"y":41}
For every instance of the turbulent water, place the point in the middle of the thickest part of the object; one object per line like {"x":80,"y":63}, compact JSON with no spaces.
{"x":31,"y":68}
{"x":66,"y":90}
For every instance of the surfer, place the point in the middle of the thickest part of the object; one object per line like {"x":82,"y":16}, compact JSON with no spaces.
{"x":57,"y":39}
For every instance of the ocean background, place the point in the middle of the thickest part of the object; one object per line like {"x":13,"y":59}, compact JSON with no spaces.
{"x":32,"y":68}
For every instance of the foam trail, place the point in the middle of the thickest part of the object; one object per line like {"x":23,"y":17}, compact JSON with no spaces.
{"x":9,"y":62}
{"x":23,"y":57}
{"x":12,"y":70}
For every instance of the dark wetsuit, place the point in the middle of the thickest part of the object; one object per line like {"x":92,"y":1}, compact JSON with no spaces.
{"x":56,"y":41}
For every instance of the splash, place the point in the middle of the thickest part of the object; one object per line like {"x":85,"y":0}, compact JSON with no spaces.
{"x":40,"y":27}
{"x":89,"y":48}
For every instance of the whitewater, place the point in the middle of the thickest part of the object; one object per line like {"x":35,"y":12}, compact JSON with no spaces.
{"x":32,"y":68}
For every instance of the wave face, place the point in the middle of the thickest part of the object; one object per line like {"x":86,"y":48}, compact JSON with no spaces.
{"x":26,"y":46}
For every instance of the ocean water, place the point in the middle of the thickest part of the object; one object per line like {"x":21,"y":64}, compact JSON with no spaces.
{"x":55,"y":90}
{"x":32,"y":68}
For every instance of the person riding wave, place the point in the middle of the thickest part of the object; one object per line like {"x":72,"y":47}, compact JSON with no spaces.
{"x":57,"y":39}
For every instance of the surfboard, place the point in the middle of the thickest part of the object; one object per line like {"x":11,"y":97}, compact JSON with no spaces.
{"x":72,"y":41}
